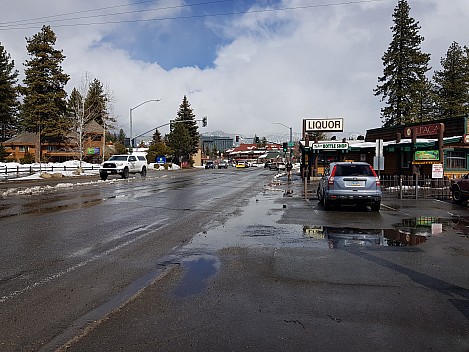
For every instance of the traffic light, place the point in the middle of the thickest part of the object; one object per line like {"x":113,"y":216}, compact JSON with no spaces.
{"x":237,"y":138}
{"x":285,"y":147}
{"x":204,"y":121}
{"x":257,"y":140}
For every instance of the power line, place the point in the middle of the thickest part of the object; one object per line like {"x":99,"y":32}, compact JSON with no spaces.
{"x":13,"y":26}
{"x":29,"y":21}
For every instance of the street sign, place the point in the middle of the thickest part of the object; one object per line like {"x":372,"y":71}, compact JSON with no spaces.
{"x":291,"y":144}
{"x":161,"y":160}
{"x":330,"y":146}
{"x":378,"y":163}
{"x":437,"y":171}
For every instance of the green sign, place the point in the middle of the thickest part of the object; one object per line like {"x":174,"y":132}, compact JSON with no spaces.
{"x":422,"y":155}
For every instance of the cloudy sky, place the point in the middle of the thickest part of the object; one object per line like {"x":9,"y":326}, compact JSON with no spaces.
{"x":246,"y":65}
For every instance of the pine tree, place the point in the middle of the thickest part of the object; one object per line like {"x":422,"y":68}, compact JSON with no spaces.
{"x":186,"y":114}
{"x":96,"y":103}
{"x":452,"y":83}
{"x":121,"y":136}
{"x":156,"y":138}
{"x":181,"y":142}
{"x":44,"y":108}
{"x":403,"y":83}
{"x":157,"y":147}
{"x":184,"y":135}
{"x":8,"y":96}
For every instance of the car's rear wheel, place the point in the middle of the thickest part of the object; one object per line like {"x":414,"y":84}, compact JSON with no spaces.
{"x":326,"y":203}
{"x":103,"y":176}
{"x":143,"y":173}
{"x":375,"y":206}
{"x":125,"y":173}
{"x":457,"y":194}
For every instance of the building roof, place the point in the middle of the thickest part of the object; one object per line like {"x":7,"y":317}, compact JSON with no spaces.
{"x":93,"y":127}
{"x":24,"y":138}
{"x":252,"y":148}
{"x":29,"y":138}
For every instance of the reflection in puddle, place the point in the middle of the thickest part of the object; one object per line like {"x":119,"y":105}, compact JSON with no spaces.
{"x":197,"y":270}
{"x":409,"y":232}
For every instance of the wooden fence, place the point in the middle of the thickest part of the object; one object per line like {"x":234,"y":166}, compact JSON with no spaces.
{"x":21,"y":170}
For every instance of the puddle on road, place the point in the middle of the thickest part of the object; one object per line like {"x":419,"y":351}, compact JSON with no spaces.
{"x":198,"y":269}
{"x":409,"y":232}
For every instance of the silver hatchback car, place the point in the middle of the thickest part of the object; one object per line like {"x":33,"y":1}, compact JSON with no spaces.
{"x":350,"y":183}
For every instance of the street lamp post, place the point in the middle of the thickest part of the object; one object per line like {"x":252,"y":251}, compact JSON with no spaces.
{"x":130,"y":117}
{"x":291,"y":137}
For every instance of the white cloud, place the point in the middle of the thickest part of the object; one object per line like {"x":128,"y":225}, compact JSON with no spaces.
{"x":277,"y":66}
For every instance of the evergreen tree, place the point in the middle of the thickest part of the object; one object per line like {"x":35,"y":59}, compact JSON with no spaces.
{"x":157,"y":147}
{"x":184,"y":135}
{"x":8,"y":96}
{"x":452,"y":83}
{"x":96,"y":103}
{"x":156,"y":138}
{"x":121,"y":136}
{"x":44,"y":108}
{"x":181,"y":142}
{"x":186,"y":114}
{"x":403,"y":83}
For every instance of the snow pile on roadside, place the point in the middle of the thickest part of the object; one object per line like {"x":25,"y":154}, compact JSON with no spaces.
{"x":158,"y":167}
{"x":36,"y":190}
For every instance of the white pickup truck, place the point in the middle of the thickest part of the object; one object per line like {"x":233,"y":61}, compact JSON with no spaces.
{"x":124,"y":165}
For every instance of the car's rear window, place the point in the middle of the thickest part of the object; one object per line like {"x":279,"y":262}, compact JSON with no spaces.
{"x":353,"y":170}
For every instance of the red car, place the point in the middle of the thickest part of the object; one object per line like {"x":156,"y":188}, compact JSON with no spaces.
{"x":460,"y":189}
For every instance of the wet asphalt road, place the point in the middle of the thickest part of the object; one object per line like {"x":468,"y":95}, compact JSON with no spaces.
{"x":227,"y":260}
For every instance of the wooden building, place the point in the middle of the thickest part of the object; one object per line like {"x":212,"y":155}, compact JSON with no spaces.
{"x":19,"y":146}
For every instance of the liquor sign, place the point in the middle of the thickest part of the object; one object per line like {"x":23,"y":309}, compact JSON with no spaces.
{"x":324,"y":125}
{"x":330,"y":146}
{"x":427,"y":155}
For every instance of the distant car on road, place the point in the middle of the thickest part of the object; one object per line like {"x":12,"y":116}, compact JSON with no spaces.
{"x":241,"y":165}
{"x":350,"y":183}
{"x":460,"y":189}
{"x":209,"y":165}
{"x":223,"y":164}
{"x":278,"y":165}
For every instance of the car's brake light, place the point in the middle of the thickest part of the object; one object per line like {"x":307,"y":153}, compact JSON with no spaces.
{"x":330,"y":181}
{"x":378,"y":182}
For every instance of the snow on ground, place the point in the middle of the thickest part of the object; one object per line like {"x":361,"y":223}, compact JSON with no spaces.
{"x":16,"y":171}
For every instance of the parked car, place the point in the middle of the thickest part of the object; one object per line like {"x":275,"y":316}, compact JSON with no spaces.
{"x":209,"y":165}
{"x":241,"y":165}
{"x":223,"y":164}
{"x":460,"y":189}
{"x":350,"y":183}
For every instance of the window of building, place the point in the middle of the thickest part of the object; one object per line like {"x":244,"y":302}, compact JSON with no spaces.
{"x":22,"y":148}
{"x":455,"y":160}
{"x":51,"y":148}
{"x":406,"y":160}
